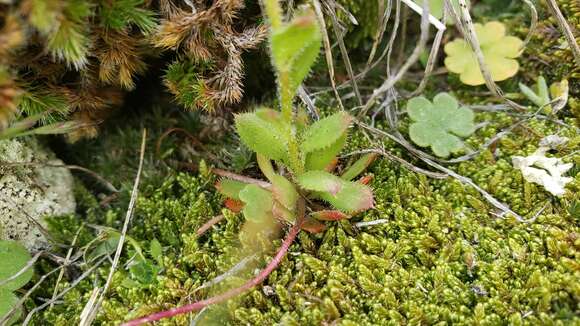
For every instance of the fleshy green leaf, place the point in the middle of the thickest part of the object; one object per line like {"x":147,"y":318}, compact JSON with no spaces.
{"x":531,"y":95}
{"x":14,"y":257}
{"x":7,"y":301}
{"x":320,"y":181}
{"x":230,"y":188}
{"x":106,"y":247}
{"x":320,"y":159}
{"x":284,"y":192}
{"x":436,"y":7}
{"x":439,"y":124}
{"x":261,"y":136}
{"x":258,"y":203}
{"x":543,"y":92}
{"x":359,"y":166}
{"x":541,"y":96}
{"x":353,"y":197}
{"x":265,"y":165}
{"x":325,"y":132}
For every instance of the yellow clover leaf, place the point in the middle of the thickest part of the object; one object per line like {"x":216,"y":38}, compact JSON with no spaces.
{"x":499,"y":52}
{"x":439,"y":124}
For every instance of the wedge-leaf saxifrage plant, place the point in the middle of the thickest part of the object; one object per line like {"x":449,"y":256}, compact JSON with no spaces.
{"x":296,"y":157}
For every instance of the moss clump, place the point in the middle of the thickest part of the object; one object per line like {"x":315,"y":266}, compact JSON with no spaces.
{"x":443,"y":256}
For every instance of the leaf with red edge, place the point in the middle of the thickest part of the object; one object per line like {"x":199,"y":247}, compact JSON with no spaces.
{"x":329,"y":215}
{"x":313,"y":226}
{"x":353,"y":197}
{"x":320,"y":181}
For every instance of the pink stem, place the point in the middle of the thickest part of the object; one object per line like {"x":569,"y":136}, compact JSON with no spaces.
{"x":238,"y":177}
{"x":215,"y":220}
{"x":228,"y":294}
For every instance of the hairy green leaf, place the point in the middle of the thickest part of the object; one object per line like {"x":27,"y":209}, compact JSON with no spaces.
{"x":320,"y":159}
{"x":320,"y":181}
{"x":359,"y":166}
{"x":230,"y":188}
{"x":261,"y":136}
{"x":258,"y":203}
{"x":14,"y":257}
{"x":541,"y":96}
{"x":352,"y":198}
{"x":325,"y":132}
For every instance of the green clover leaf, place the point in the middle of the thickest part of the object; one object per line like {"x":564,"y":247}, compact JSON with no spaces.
{"x":438,"y":124}
{"x":499,"y":52}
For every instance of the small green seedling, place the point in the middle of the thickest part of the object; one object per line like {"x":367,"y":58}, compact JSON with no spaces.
{"x":550,"y":100}
{"x":439,"y":124}
{"x":14,"y":258}
{"x":499,"y":52}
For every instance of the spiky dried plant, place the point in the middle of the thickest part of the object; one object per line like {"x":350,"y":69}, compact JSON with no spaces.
{"x":8,"y":94}
{"x":77,"y":58}
{"x":205,"y":34}
{"x":11,"y":37}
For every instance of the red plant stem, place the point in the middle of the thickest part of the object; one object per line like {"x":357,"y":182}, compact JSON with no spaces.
{"x":242,"y":178}
{"x":228,"y":294}
{"x":215,"y":220}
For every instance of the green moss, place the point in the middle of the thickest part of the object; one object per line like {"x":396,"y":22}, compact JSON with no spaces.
{"x":442,"y":257}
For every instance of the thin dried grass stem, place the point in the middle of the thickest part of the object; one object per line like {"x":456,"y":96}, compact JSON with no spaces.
{"x":331,"y":9}
{"x":327,"y":50}
{"x":391,"y":81}
{"x":128,"y":217}
{"x":565,"y":28}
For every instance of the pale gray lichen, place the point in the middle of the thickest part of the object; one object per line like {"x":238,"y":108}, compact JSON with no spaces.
{"x":31,"y":191}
